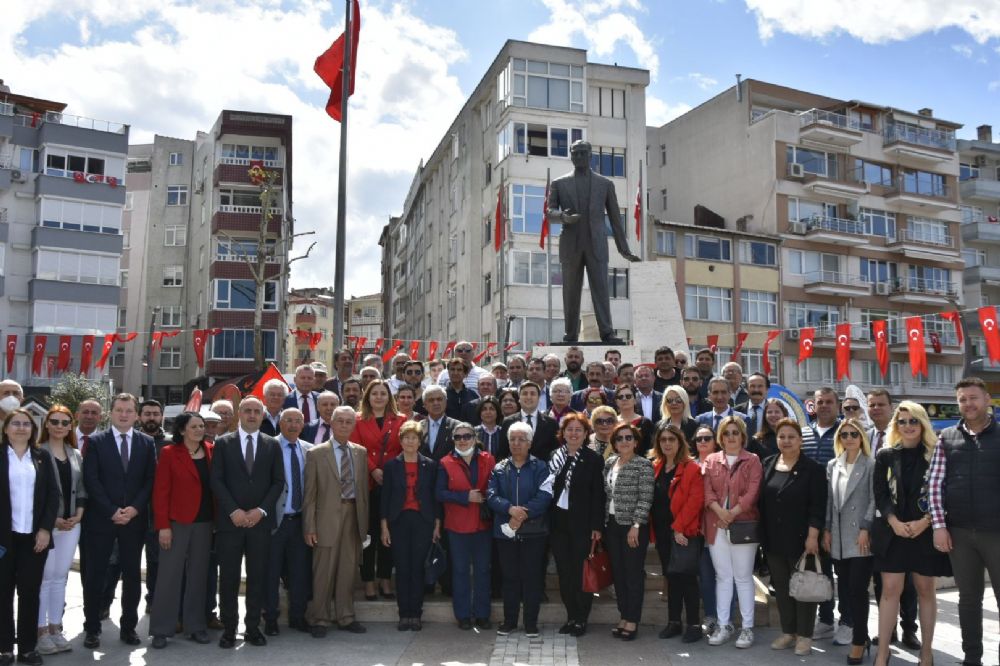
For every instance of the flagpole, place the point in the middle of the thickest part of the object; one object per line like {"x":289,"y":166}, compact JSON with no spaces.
{"x":338,"y":269}
{"x":642,"y":216}
{"x":548,"y":252}
{"x":502,"y":270}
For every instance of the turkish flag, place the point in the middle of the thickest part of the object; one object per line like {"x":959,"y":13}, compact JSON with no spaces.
{"x":392,"y":351}
{"x":38,"y":355}
{"x":157,"y":341}
{"x":740,"y":339}
{"x":194,"y":402}
{"x":713,"y":343}
{"x":11,"y":350}
{"x":272,"y":372}
{"x":545,"y":214}
{"x":433,"y":350}
{"x":448,"y":348}
{"x":771,"y":335}
{"x":915,"y":340}
{"x":485,"y":352}
{"x":378,"y":344}
{"x":314,"y":340}
{"x":935,"y":342}
{"x":638,"y":208}
{"x":500,"y":222}
{"x":198,"y":341}
{"x":359,"y":344}
{"x":843,"y":351}
{"x":881,"y":345}
{"x":128,"y":337}
{"x":330,"y":65}
{"x":956,"y":319}
{"x":414,"y":349}
{"x":64,"y":349}
{"x":213,"y":331}
{"x":988,"y":322}
{"x":86,"y":354}
{"x":510,"y":346}
{"x":79,"y":177}
{"x":109,"y":342}
{"x":807,"y":336}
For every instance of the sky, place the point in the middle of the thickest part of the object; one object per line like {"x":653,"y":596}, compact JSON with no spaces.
{"x":168,"y":67}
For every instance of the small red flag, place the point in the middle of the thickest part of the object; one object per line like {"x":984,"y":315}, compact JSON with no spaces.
{"x":11,"y":350}
{"x":414,"y":350}
{"x":64,"y":349}
{"x":843,"y":351}
{"x":157,"y":341}
{"x":915,"y":340}
{"x":359,"y":344}
{"x":638,"y":208}
{"x":330,"y":65}
{"x":500,"y":222}
{"x":956,"y":319}
{"x":545,"y":214}
{"x":194,"y":402}
{"x":740,"y":339}
{"x":198,"y":341}
{"x":486,"y":352}
{"x":448,"y":348}
{"x":510,"y":346}
{"x":771,"y":335}
{"x":39,"y":355}
{"x":392,"y":351}
{"x":881,"y":345}
{"x":432,"y":350}
{"x":713,"y":343}
{"x":109,"y":342}
{"x":50,"y":366}
{"x":314,"y":340}
{"x":86,"y":354}
{"x":935,"y":342}
{"x":807,"y":336}
{"x":271,"y":372}
{"x":378,"y":345}
{"x":988,"y":322}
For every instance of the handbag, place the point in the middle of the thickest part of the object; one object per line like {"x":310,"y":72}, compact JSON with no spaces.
{"x":596,"y":569}
{"x":435,"y":563}
{"x":810,"y":586}
{"x":686,"y":559}
{"x":744,"y":531}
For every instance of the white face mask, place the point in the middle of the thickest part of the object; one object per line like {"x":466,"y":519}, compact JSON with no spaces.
{"x":10,"y":403}
{"x":467,"y":454}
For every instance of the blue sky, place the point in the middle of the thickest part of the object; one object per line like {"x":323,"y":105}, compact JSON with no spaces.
{"x":169,"y":67}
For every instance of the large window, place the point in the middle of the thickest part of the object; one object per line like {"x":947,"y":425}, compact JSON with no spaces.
{"x":824,"y":318}
{"x":974,"y":257}
{"x":536,"y":139}
{"x":708,"y":303}
{"x":62,"y":163}
{"x":237,"y":344}
{"x":945,"y":329}
{"x":665,"y":243}
{"x":170,"y":316}
{"x":177,"y":195}
{"x":815,"y":370}
{"x":175,"y":235}
{"x":869,"y":316}
{"x":242,"y":295}
{"x":231,"y":197}
{"x":758,"y":253}
{"x":526,"y":210}
{"x":800,"y":210}
{"x":938,"y":376}
{"x":173,"y":276}
{"x":73,"y":318}
{"x":80,"y":216}
{"x":878,"y":270}
{"x":529,"y":268}
{"x":76,"y":267}
{"x":871,"y":374}
{"x":240,"y":153}
{"x":812,"y":161}
{"x":872,"y":172}
{"x":877,"y":222}
{"x":608,"y":162}
{"x":752,"y":361}
{"x":758,"y":307}
{"x":237,"y":250}
{"x":967,"y":171}
{"x":542,"y":85}
{"x":618,"y":282}
{"x":526,"y":331}
{"x":924,"y":230}
{"x":925,"y":183}
{"x":170,"y":358}
{"x":707,"y":247}
{"x":610,"y":102}
{"x":930,"y":278}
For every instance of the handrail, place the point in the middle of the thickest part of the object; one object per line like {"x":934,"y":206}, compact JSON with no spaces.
{"x":921,"y":136}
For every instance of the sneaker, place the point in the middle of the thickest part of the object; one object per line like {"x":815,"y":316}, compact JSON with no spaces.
{"x":711,"y":624}
{"x":61,"y":642}
{"x":783,"y":642}
{"x":46,"y":645}
{"x":822,"y":630}
{"x":721,"y":635}
{"x":803,"y":646}
{"x":531,"y":631}
{"x":843,"y":635}
{"x":745,"y":638}
{"x":505,"y":629}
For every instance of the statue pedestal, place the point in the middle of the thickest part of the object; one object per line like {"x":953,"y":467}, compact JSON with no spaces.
{"x":655,"y":318}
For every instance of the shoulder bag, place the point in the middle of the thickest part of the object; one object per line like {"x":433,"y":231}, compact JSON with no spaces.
{"x":810,"y":586}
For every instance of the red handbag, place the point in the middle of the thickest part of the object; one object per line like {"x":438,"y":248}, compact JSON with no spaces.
{"x":596,"y":569}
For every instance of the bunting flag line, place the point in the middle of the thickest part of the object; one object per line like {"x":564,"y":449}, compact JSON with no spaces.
{"x":414,"y":348}
{"x":11,"y":350}
{"x":988,"y":322}
{"x":359,"y":344}
{"x":879,"y":330}
{"x":314,"y":340}
{"x":378,"y":345}
{"x":448,"y":349}
{"x":109,"y":342}
{"x":843,"y":351}
{"x":915,"y":342}
{"x":956,"y":319}
{"x":771,"y":335}
{"x":38,"y":355}
{"x":432,"y":350}
{"x":198,"y":341}
{"x":807,"y":337}
{"x":740,"y":339}
{"x":64,"y":352}
{"x":86,"y":354}
{"x":392,"y":351}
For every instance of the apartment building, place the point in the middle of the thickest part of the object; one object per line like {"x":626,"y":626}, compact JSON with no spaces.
{"x":310,"y":310}
{"x":864,"y":200}
{"x":62,"y":192}
{"x":364,"y":320}
{"x":441,"y":277}
{"x":193,"y":221}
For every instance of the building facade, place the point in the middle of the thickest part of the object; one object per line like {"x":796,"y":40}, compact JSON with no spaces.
{"x":364,"y":320}
{"x":441,"y":276}
{"x":62,"y":193}
{"x":864,"y":199}
{"x":310,"y":311}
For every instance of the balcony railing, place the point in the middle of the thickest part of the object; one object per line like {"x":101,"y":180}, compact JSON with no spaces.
{"x":37,"y":120}
{"x":3,"y":216}
{"x":920,"y":136}
{"x":6,"y":109}
{"x":902,"y":185}
{"x":813,"y":116}
{"x":915,"y":285}
{"x":254,"y":210}
{"x":927,"y":238}
{"x":245,"y":161}
{"x":833,"y":277}
{"x":836,"y":224}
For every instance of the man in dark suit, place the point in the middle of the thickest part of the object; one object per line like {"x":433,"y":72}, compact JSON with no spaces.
{"x":275,"y":395}
{"x":595,"y":380}
{"x":580,"y":201}
{"x":319,"y":431}
{"x":718,"y":393}
{"x":487,"y":386}
{"x":343,"y":365}
{"x":435,"y":431}
{"x":733,"y":374}
{"x":647,"y":399}
{"x":118,"y":473}
{"x":692,"y":382}
{"x":457,"y":394}
{"x":757,"y":385}
{"x":247,"y":477}
{"x":545,"y":428}
{"x":303,"y":397}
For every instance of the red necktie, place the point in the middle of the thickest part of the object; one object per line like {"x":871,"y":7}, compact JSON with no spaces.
{"x":305,"y":409}
{"x":86,"y":443}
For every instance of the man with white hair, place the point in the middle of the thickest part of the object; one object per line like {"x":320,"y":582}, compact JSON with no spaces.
{"x":275,"y":393}
{"x":224,"y":408}
{"x":732,"y":372}
{"x":464,"y":351}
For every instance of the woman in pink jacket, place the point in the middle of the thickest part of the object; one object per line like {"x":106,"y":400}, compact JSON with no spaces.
{"x":732,"y":484}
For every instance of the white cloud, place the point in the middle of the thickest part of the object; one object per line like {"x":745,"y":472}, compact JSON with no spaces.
{"x":702,"y":81}
{"x":601,"y":25}
{"x":876,"y":22}
{"x":181,"y":64}
{"x":993,"y":86}
{"x":963,"y":50}
{"x":659,"y":112}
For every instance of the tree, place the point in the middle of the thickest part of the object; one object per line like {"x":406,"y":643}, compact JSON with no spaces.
{"x":73,"y":389}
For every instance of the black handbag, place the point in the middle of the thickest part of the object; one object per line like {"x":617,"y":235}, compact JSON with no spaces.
{"x":744,"y":531}
{"x":686,"y":559}
{"x":435,"y":564}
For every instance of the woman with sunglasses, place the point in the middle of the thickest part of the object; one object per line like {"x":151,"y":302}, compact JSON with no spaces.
{"x":705,"y":445}
{"x":625,"y":401}
{"x":764,"y":443}
{"x":603,"y":421}
{"x":593,"y":399}
{"x":676,"y":409}
{"x":850,"y":511}
{"x":628,"y":484}
{"x":901,"y":536}
{"x":850,"y":408}
{"x":59,"y":439}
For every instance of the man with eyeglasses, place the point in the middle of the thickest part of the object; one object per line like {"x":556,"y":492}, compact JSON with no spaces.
{"x":398,"y":378}
{"x":757,"y":386}
{"x":610,"y":376}
{"x":595,"y":381}
{"x":732,"y":372}
{"x":691,"y":382}
{"x":647,"y":399}
{"x":544,"y":427}
{"x":464,"y":351}
{"x":719,"y":395}
{"x":680,"y":360}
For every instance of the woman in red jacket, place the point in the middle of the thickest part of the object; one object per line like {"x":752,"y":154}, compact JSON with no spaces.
{"x":183,"y":511}
{"x":678,"y":499}
{"x":377,"y":430}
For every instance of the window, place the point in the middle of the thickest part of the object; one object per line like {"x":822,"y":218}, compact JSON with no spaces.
{"x":803,"y":211}
{"x":73,"y":318}
{"x":871,"y":374}
{"x":813,"y":161}
{"x":824,"y":318}
{"x":814,"y":370}
{"x":930,"y":279}
{"x":878,"y":270}
{"x":526,"y":331}
{"x":758,"y":307}
{"x":117,"y":359}
{"x":123,"y":278}
{"x":236,"y":153}
{"x":536,"y":139}
{"x":242,"y":295}
{"x":487,"y":288}
{"x":665,"y":244}
{"x":80,"y":216}
{"x":526,"y":210}
{"x":177,"y":195}
{"x":237,"y":250}
{"x":529,"y":268}
{"x":68,"y":266}
{"x":28,"y":160}
{"x":923,"y":230}
{"x":663,"y":198}
{"x":618,"y":282}
{"x":707,"y":247}
{"x":967,"y":171}
{"x":869,"y":316}
{"x":237,"y":344}
{"x":758,"y":254}
{"x":64,"y":164}
{"x":610,"y":102}
{"x":752,"y":361}
{"x":862,"y":119}
{"x":973,"y":257}
{"x":176,"y":159}
{"x":938,"y":376}
{"x":543,"y":85}
{"x":663,"y":154}
{"x":877,"y":222}
{"x":175,"y":235}
{"x":170,"y":358}
{"x":170,"y":316}
{"x":945,"y":329}
{"x":708,"y":303}
{"x":924,"y":183}
{"x":608,"y":162}
{"x":972,"y":214}
{"x":872,"y":173}
{"x":245,"y":198}
{"x":173,"y":276}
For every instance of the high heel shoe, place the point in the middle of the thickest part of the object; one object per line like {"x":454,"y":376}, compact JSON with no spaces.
{"x":888,"y":660}
{"x":866,"y":649}
{"x":627,"y":635}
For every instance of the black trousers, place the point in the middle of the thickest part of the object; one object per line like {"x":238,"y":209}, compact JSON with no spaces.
{"x":683,"y":593}
{"x":974,"y":551}
{"x":129,"y":539}
{"x":376,"y":559}
{"x":411,"y":539}
{"x":853,"y":575}
{"x":523,"y":578}
{"x":232,"y":546}
{"x":627,"y":568}
{"x":570,"y":548}
{"x":289,"y":553}
{"x":21,"y":568}
{"x":798,"y":618}
{"x":907,"y":601}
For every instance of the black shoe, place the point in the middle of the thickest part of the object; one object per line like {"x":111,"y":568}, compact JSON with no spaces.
{"x":371,"y":597}
{"x":571,"y":338}
{"x":32,"y":658}
{"x":693,"y":634}
{"x":214,"y":622}
{"x":106,"y":613}
{"x":227,"y":641}
{"x":865,"y":649}
{"x":6,"y":658}
{"x":627,"y":635}
{"x":159,"y":642}
{"x":483,"y":623}
{"x":566,"y":628}
{"x":92,"y":641}
{"x":416,"y":624}
{"x":271,"y":627}
{"x":579,"y":629}
{"x":200,"y":637}
{"x":254,"y":637}
{"x":465,"y":624}
{"x":318,"y":631}
{"x":387,"y":595}
{"x":671,"y":630}
{"x":354,"y":627}
{"x":504,"y":629}
{"x":613,"y":340}
{"x":531,"y":631}
{"x":129,"y":637}
{"x":299,"y":624}
{"x":404,"y":624}
{"x":910,"y":640}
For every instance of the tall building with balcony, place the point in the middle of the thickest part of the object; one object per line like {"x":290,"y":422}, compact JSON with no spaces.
{"x":193,"y":221}
{"x":365,"y":320}
{"x":310,"y":310}
{"x":62,"y":191}
{"x":865,"y":201}
{"x":440,"y":272}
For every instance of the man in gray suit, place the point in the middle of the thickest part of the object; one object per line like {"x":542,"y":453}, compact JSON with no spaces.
{"x":579,"y":201}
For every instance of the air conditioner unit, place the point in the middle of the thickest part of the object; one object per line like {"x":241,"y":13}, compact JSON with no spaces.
{"x":882,"y":288}
{"x":798,"y":228}
{"x":980,"y":160}
{"x":17,"y":176}
{"x":796,"y":170}
{"x":793,"y":334}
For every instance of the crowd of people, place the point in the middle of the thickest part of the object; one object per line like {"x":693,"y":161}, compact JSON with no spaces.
{"x":450,"y":475}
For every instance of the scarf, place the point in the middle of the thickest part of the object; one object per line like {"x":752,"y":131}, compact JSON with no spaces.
{"x":562,"y":459}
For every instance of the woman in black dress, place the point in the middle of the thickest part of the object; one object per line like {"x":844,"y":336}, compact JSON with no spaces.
{"x":765,"y":443}
{"x":901,"y":536}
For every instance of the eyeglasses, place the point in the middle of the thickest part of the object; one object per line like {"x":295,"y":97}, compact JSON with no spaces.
{"x":731,"y":433}
{"x":20,"y":424}
{"x":852,"y":408}
{"x":59,"y":423}
{"x":625,"y":438}
{"x":624,"y":396}
{"x":463,"y":437}
{"x":906,"y":422}
{"x":704,"y":438}
{"x":607,"y":421}
{"x":850,"y":434}
{"x":413,"y":372}
{"x":675,"y":401}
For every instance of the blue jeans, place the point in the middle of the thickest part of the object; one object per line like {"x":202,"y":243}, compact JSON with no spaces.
{"x":706,"y":580}
{"x":470,"y":598}
{"x":826,"y":608}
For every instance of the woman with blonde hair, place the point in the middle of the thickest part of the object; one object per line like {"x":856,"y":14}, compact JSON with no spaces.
{"x":901,"y":538}
{"x":603,"y":421}
{"x":675,"y":408}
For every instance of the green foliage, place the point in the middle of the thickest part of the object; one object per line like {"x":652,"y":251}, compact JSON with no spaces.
{"x":73,"y":389}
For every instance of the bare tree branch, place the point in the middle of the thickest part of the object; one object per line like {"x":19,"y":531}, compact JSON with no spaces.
{"x":304,"y":256}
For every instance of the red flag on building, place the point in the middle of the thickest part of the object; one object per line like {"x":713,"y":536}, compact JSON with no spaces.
{"x":510,"y":346}
{"x":392,"y":351}
{"x":156,"y":341}
{"x":414,"y":350}
{"x":807,"y":336}
{"x":843,"y":351}
{"x":359,"y":344}
{"x":740,"y":339}
{"x":270,"y":373}
{"x":448,"y":349}
{"x":11,"y":350}
{"x":50,"y":366}
{"x":314,"y":340}
{"x":378,"y":345}
{"x":956,"y":319}
{"x":881,"y":345}
{"x":109,"y":342}
{"x":194,"y":402}
{"x":39,"y":355}
{"x":64,"y":349}
{"x":198,"y":341}
{"x":545,"y":213}
{"x":988,"y":322}
{"x":486,"y":352}
{"x":935,"y":342}
{"x":128,"y":337}
{"x":432,"y":350}
{"x":500,"y":223}
{"x":771,"y":335}
{"x":638,"y":208}
{"x":915,"y":340}
{"x":330,"y":65}
{"x":86,"y":354}
{"x":713,"y":343}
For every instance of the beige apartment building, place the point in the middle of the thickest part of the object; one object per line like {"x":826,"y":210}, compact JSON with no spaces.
{"x":310,"y":310}
{"x":861,"y":201}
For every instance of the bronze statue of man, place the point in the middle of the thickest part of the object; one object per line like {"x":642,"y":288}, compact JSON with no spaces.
{"x":579,"y":201}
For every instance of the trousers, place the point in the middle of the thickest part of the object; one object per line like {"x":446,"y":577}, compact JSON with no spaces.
{"x":53,"y":595}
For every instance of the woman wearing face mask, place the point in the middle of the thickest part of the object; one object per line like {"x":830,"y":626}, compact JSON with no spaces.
{"x":461,"y":488}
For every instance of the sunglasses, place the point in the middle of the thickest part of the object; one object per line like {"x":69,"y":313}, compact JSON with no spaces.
{"x":850,"y":434}
{"x":625,"y":438}
{"x":624,"y":396}
{"x":852,"y":408}
{"x":675,"y":401}
{"x":413,"y":372}
{"x":463,"y":437}
{"x":607,"y":421}
{"x":732,"y":433}
{"x":704,"y":438}
{"x":59,"y":423}
{"x":906,"y":422}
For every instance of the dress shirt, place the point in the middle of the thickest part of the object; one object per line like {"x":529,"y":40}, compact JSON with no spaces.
{"x":432,"y":431}
{"x":534,"y":418}
{"x":645,"y":403}
{"x":128,"y":440}
{"x":394,"y":384}
{"x":256,"y":449}
{"x":307,"y":397}
{"x":267,"y":415}
{"x":717,"y":417}
{"x":337,"y":453}
{"x":322,"y":428}
{"x":286,"y":457}
{"x":22,"y":491}
{"x":878,"y":440}
{"x":544,"y":403}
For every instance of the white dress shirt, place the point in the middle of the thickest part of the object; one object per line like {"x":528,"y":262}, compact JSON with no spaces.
{"x":22,"y":491}
{"x":645,"y":403}
{"x":534,"y":418}
{"x":243,"y":441}
{"x":128,"y":440}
